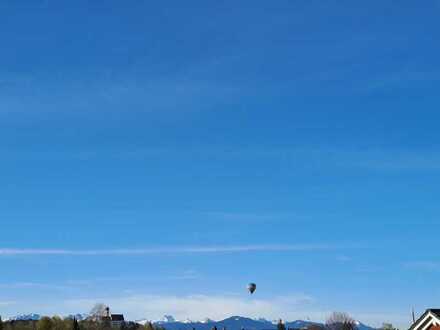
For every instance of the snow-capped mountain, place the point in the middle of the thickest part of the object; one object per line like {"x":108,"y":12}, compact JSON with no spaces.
{"x":230,"y":323}
{"x":36,"y":317}
{"x":142,"y":321}
{"x":361,"y":326}
{"x":207,"y":320}
{"x":164,"y":320}
{"x":299,"y":324}
{"x":24,"y":317}
{"x":235,"y":323}
{"x":167,"y":319}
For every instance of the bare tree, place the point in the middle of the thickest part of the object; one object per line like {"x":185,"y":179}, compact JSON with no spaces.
{"x":340,"y":321}
{"x":98,"y":311}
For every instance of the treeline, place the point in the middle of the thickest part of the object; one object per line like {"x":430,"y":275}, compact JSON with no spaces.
{"x":57,"y":323}
{"x":336,"y":321}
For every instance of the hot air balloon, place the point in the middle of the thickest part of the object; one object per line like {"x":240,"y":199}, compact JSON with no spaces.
{"x":251,"y":287}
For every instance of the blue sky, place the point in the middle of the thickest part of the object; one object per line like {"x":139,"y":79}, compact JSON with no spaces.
{"x":158,"y":157}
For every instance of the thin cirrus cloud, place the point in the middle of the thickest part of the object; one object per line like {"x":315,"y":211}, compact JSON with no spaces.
{"x":423,"y":265}
{"x":168,"y":250}
{"x":32,"y":285}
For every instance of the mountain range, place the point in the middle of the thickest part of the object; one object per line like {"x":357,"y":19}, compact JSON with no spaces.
{"x":230,"y":323}
{"x":235,"y":323}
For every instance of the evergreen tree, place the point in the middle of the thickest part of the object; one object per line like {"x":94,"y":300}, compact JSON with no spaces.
{"x":280,"y":325}
{"x":1,"y":323}
{"x":75,"y":324}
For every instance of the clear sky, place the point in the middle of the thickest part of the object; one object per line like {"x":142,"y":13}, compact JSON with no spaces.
{"x":159,"y":156}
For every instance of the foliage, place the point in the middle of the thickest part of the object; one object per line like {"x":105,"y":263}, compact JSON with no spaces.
{"x":388,"y":326}
{"x":57,"y":323}
{"x":316,"y":327}
{"x":20,"y":325}
{"x":45,"y":323}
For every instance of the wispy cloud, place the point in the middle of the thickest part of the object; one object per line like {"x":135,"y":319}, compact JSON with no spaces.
{"x":171,"y":250}
{"x":423,"y":265}
{"x":189,"y":274}
{"x":381,"y":159}
{"x":236,"y":216}
{"x":34,"y":285}
{"x":402,"y":79}
{"x":343,"y":258}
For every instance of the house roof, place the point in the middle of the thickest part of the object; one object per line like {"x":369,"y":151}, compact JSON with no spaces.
{"x":435,"y":311}
{"x":431,"y":315}
{"x":117,"y":317}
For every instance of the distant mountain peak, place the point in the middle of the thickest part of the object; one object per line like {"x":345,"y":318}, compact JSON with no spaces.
{"x":24,"y":317}
{"x":207,"y":320}
{"x":235,"y":322}
{"x":168,"y":319}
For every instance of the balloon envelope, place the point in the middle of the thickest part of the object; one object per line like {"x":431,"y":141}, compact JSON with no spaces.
{"x":252,"y":287}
